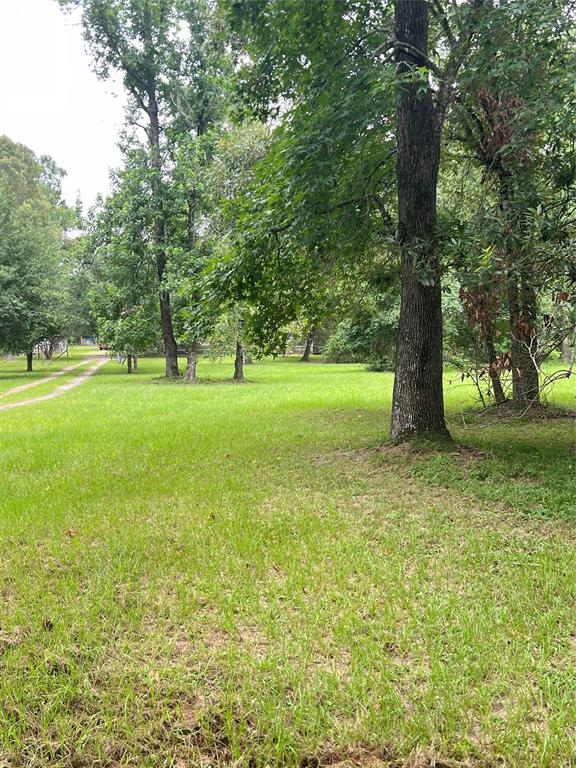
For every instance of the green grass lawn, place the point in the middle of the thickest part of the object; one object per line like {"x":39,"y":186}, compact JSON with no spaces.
{"x":246,"y":575}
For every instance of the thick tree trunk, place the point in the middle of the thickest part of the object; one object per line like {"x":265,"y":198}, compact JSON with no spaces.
{"x":493,"y":370}
{"x":239,"y":362}
{"x":418,"y":403}
{"x":29,"y":360}
{"x":129,"y":363}
{"x":191,"y":362}
{"x":308,"y":348}
{"x":170,"y":347}
{"x":566,"y":354}
{"x":523,"y":346}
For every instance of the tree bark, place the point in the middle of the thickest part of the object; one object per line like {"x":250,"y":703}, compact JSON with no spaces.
{"x":418,"y":403}
{"x":308,"y":348}
{"x":239,"y":362}
{"x":29,"y":360}
{"x":493,"y":370}
{"x":524,"y":342}
{"x":566,"y":354}
{"x":135,"y":362}
{"x":191,"y":362}
{"x":159,"y":236}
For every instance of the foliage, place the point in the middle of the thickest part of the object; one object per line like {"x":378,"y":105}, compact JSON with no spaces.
{"x":367,"y":337}
{"x":32,"y":246}
{"x":227,"y":331}
{"x":124,"y":296}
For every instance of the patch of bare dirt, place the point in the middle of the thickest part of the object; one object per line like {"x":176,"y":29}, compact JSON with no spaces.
{"x":363,"y":757}
{"x":336,"y":457}
{"x":466,"y":455}
{"x":541,"y":412}
{"x":11,"y":639}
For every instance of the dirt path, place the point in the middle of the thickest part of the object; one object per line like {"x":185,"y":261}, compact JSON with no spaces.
{"x":45,"y":379}
{"x":75,"y":382}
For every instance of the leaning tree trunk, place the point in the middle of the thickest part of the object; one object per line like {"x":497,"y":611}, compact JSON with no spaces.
{"x":29,"y":360}
{"x":239,"y":362}
{"x":159,"y":236}
{"x":418,"y":403}
{"x":191,"y":362}
{"x":129,"y":363}
{"x":523,"y":345}
{"x":308,"y":348}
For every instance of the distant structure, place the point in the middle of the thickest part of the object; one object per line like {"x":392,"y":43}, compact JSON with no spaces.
{"x":47,"y":348}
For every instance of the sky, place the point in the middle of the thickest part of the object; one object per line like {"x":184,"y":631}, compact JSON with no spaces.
{"x":51,"y":100}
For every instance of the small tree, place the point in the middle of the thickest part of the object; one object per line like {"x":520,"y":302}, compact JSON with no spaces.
{"x":228,"y":338}
{"x":123,"y":296}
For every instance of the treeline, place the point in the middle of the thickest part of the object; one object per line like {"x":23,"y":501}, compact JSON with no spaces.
{"x":43,"y":288}
{"x":400,"y":173}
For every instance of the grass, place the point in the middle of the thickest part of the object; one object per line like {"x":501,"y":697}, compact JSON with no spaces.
{"x":244,"y":575}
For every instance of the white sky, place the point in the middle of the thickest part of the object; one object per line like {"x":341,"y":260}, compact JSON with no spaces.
{"x":51,"y":100}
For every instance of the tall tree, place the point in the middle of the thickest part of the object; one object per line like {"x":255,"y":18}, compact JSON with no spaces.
{"x":521,"y":133}
{"x":350,"y":112}
{"x":418,"y":403}
{"x":139,"y":38}
{"x":199,"y":104}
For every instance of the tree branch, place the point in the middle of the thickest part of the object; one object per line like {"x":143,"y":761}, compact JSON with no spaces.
{"x":417,"y":54}
{"x":456,"y":58}
{"x":440,"y":14}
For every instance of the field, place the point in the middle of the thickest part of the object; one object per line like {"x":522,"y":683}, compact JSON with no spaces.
{"x":248,"y":575}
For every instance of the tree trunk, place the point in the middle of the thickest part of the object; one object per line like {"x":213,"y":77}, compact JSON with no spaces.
{"x":308,"y":348}
{"x":159,"y":232}
{"x":135,"y":362}
{"x":493,"y":370}
{"x":192,"y":205}
{"x":191,"y":362}
{"x":567,"y":354}
{"x":239,"y":362}
{"x":524,"y":342}
{"x":129,"y":363}
{"x":522,"y":311}
{"x":418,"y":403}
{"x":29,"y":360}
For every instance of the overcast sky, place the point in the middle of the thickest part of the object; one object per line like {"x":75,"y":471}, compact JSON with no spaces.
{"x":50,"y":99}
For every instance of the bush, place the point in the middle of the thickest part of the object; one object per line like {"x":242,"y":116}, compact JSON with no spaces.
{"x":366,"y":338}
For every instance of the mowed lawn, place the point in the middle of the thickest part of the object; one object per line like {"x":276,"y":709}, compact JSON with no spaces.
{"x":247,"y":575}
